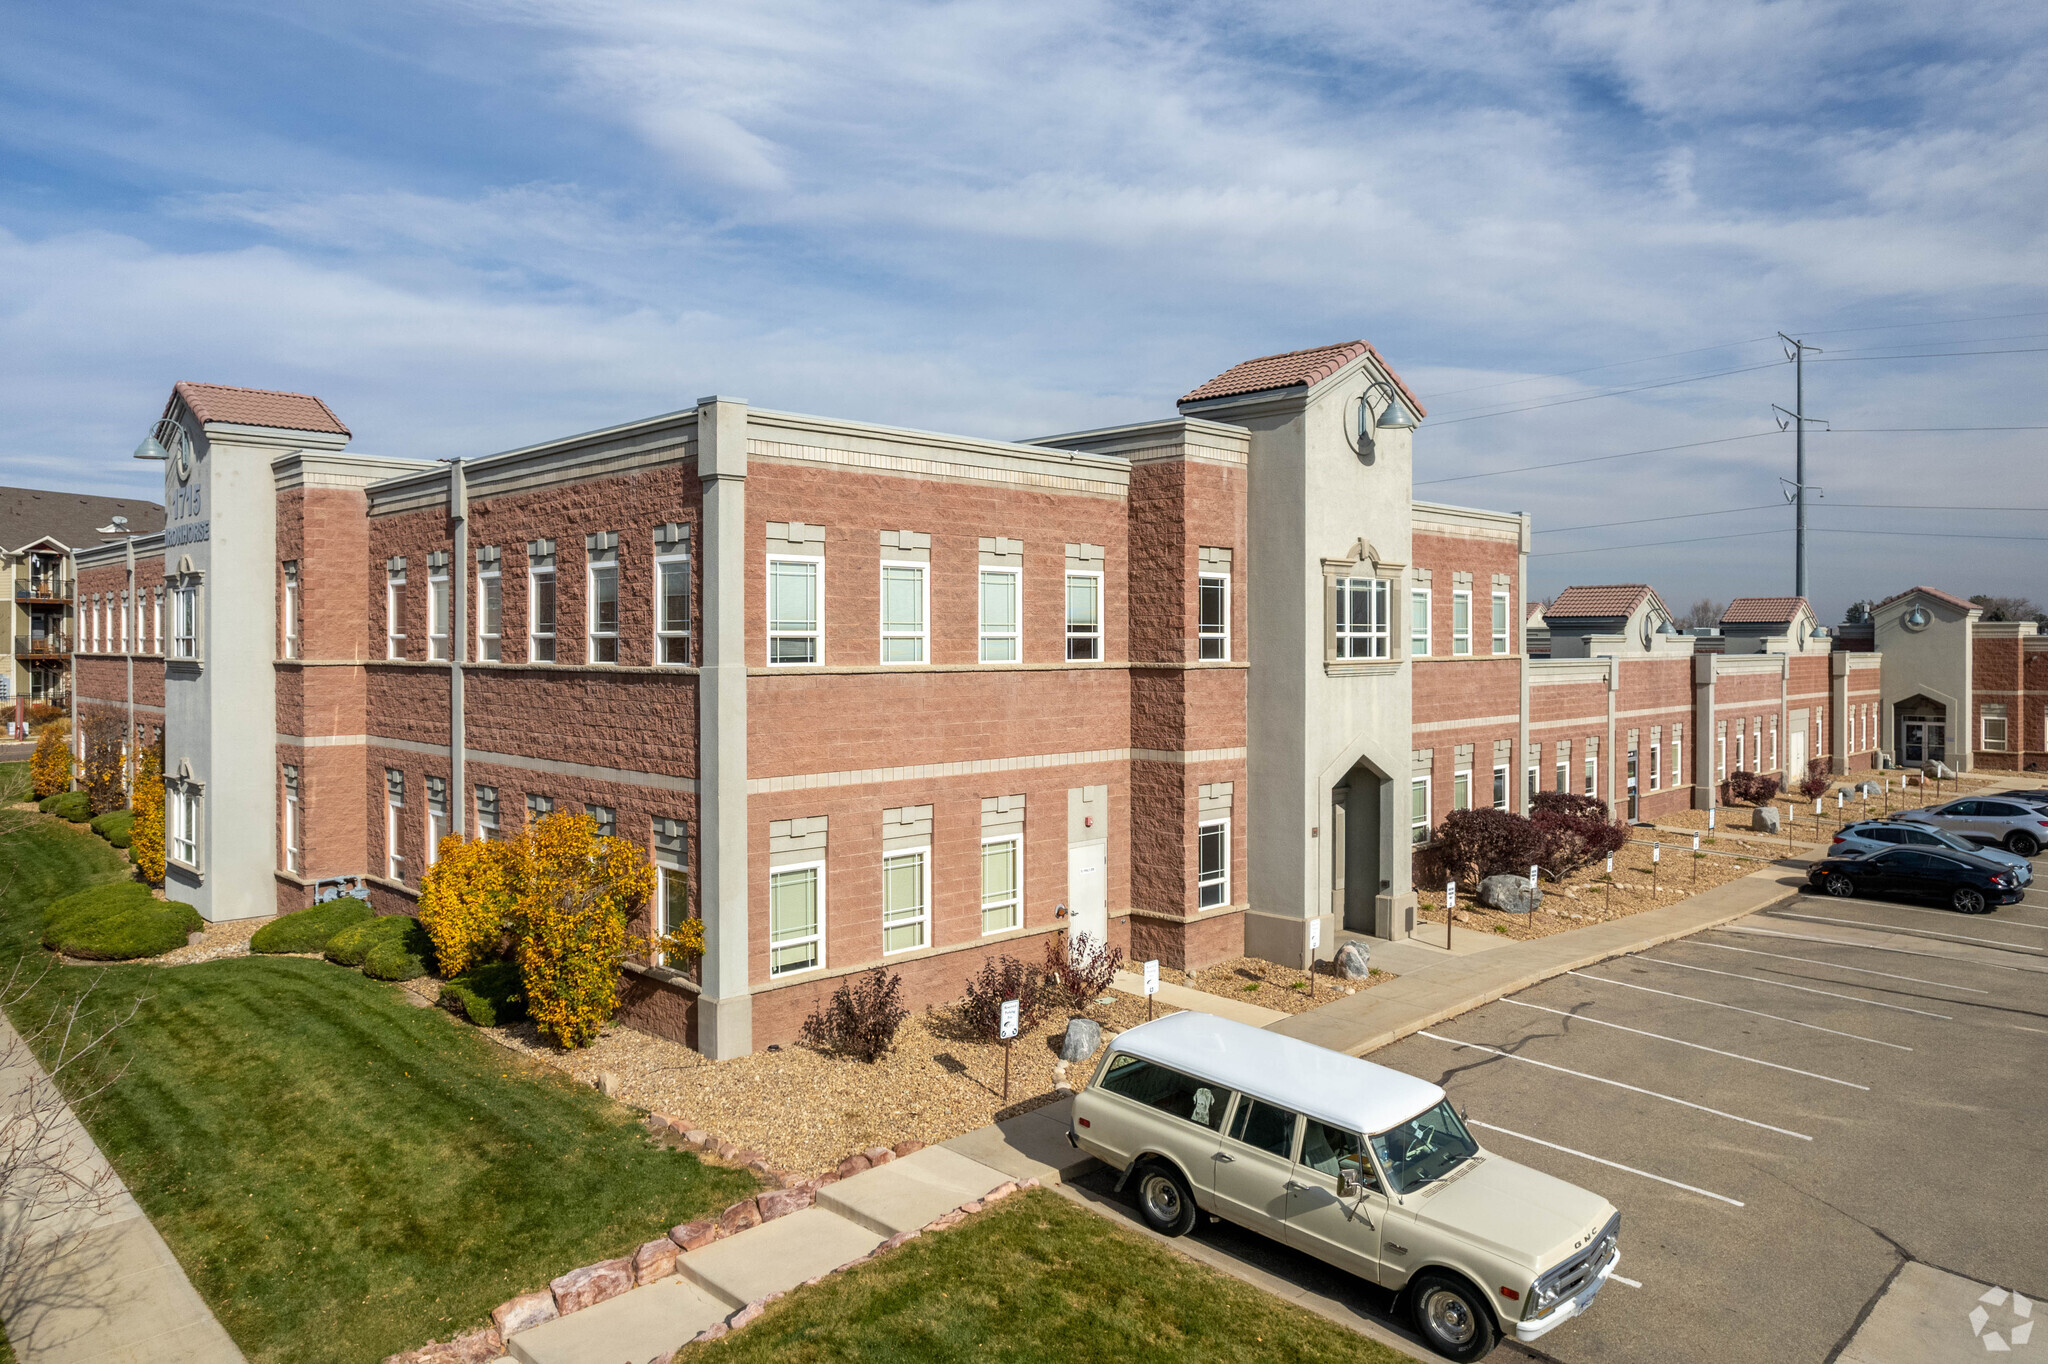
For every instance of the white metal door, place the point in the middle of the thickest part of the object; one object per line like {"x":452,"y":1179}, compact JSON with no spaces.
{"x":1088,"y":892}
{"x":1796,"y":768}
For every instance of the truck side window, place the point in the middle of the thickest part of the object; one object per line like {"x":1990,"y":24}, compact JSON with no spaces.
{"x":1169,"y":1091}
{"x":1265,"y":1127}
{"x":1326,"y":1149}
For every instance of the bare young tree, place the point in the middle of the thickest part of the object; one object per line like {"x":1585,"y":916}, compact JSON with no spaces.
{"x":2009,"y":608}
{"x":1705,"y":612}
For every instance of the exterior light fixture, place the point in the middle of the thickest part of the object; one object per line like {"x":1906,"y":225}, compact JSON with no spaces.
{"x":1393,"y":416}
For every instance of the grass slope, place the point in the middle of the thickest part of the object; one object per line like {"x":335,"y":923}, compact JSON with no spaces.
{"x":1038,"y":1279}
{"x":342,"y":1174}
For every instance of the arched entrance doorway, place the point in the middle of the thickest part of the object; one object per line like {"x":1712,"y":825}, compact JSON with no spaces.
{"x":1923,"y":731}
{"x":1359,"y":807}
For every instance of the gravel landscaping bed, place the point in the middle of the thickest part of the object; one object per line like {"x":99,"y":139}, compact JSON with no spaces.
{"x":1273,"y":986}
{"x":803,"y":1111}
{"x":229,"y":938}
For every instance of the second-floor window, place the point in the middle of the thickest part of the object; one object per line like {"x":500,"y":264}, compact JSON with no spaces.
{"x":1084,"y":617}
{"x":1362,"y":617}
{"x":394,"y":610}
{"x":1461,"y":623}
{"x":1418,"y":623}
{"x":604,"y":613}
{"x":291,"y":610}
{"x":672,"y":608}
{"x":903,"y":613}
{"x":1500,"y":622}
{"x":1212,"y":625}
{"x":540,"y":612}
{"x":439,"y":640}
{"x":185,"y":620}
{"x":490,"y":616}
{"x":999,"y":594}
{"x":156,"y":630}
{"x":793,"y":623}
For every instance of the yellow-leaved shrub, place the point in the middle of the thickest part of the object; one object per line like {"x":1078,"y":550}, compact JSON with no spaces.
{"x":468,"y":900}
{"x":146,"y":836}
{"x":50,"y":767}
{"x":578,"y":892}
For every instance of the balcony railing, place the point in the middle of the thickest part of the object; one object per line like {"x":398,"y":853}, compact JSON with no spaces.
{"x":44,"y":589}
{"x":58,"y":646}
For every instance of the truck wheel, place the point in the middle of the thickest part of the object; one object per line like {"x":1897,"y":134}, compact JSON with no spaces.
{"x":1451,"y":1318}
{"x":1164,"y":1200}
{"x":2026,"y":845}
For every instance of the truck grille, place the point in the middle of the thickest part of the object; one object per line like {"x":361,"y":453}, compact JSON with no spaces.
{"x":1566,"y":1281}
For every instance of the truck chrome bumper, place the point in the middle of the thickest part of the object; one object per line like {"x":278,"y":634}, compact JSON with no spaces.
{"x":1565,"y":1311}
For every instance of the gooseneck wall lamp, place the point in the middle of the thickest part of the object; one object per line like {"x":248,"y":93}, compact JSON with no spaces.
{"x":1393,"y":416}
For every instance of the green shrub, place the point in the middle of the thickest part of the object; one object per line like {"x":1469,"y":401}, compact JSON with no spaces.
{"x":487,"y":995}
{"x":388,"y":947}
{"x":115,"y":826}
{"x":309,"y":929}
{"x":117,"y":922}
{"x":75,"y":806}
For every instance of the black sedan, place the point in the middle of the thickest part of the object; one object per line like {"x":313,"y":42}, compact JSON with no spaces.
{"x":1965,"y":882}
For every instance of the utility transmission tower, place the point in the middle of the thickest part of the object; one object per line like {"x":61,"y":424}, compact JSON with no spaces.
{"x":1796,"y":489}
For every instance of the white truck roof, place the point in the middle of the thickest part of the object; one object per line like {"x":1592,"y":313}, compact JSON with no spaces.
{"x":1355,"y":1095}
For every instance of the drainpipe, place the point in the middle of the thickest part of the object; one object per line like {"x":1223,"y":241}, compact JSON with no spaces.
{"x":458,"y":588}
{"x":127,"y":648}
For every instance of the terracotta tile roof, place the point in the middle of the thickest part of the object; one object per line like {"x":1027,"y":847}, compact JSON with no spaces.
{"x":1763,"y":610}
{"x":1532,"y":611}
{"x":1951,"y":598}
{"x":1296,"y":368}
{"x":258,"y":407}
{"x":1589,"y":603}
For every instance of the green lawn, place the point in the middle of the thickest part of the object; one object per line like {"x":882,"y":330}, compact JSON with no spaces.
{"x":344,"y":1175}
{"x":1038,"y":1279}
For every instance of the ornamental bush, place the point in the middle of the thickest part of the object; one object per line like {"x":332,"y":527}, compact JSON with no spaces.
{"x":385,"y":946}
{"x":487,"y":995}
{"x":578,"y":891}
{"x":1080,"y":969}
{"x":104,"y":776}
{"x":116,"y":826}
{"x":468,"y":899}
{"x":1576,"y":831}
{"x":120,"y":921}
{"x":862,"y":1019}
{"x":72,"y":805}
{"x":1000,"y":979}
{"x":309,"y":930}
{"x":1476,"y":844}
{"x":50,"y":767}
{"x":146,"y":834}
{"x":1754,"y":787}
{"x":1815,"y":784}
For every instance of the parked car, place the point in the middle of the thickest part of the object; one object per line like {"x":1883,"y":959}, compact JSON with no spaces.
{"x":2018,"y":826}
{"x":1875,"y":835}
{"x":1362,"y":1167}
{"x":1965,"y":882}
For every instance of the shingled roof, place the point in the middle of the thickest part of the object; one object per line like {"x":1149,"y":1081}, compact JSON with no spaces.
{"x":1605,"y":602}
{"x":258,"y":407}
{"x":31,"y":515}
{"x":1295,"y":369}
{"x":1951,"y":598}
{"x":1764,"y":610}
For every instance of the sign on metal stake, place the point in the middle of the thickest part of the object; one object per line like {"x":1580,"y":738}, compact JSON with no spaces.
{"x":1007,"y":1030}
{"x":1151,"y":984}
{"x":1450,"y":903}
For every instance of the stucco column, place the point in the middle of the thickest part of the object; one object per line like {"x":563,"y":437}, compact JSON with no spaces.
{"x":1703,"y":731}
{"x":725,"y":1009}
{"x":1838,"y":713}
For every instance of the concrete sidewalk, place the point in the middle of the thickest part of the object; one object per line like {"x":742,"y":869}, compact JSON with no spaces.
{"x":89,"y":1278}
{"x":1199,"y":1001}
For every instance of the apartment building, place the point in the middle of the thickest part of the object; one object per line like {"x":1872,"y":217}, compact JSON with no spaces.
{"x":879,"y":696}
{"x":40,"y":530}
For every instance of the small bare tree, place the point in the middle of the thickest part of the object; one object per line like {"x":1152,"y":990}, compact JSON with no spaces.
{"x":1705,"y":612}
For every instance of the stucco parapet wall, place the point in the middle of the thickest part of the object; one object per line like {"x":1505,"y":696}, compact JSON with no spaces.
{"x":1171,"y":438}
{"x":1440,"y":518}
{"x":1557,"y":671}
{"x":332,"y":469}
{"x":115,"y":552}
{"x":789,"y":437}
{"x":1749,"y":665}
{"x":650,"y":442}
{"x":2007,"y":629}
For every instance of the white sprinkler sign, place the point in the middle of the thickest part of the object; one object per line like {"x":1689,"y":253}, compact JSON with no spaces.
{"x":1656,"y":852}
{"x":1152,"y":977}
{"x":1532,"y":876}
{"x":1009,"y":1022}
{"x":1315,"y":934}
{"x":1450,"y":895}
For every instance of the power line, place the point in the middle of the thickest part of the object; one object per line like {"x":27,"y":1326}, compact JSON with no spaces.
{"x":1768,"y":506}
{"x":1592,"y":459}
{"x":1906,"y":326}
{"x":1593,"y":369}
{"x":1928,"y":355}
{"x":1886,"y":430}
{"x":1787,"y":530}
{"x":1613,"y":393}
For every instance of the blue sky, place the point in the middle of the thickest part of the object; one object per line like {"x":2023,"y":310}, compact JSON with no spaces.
{"x":469,"y":226}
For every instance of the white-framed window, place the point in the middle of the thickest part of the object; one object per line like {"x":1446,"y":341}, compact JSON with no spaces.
{"x":490,"y":616}
{"x":1677,"y":755}
{"x":671,"y":878}
{"x":182,"y":814}
{"x":487,"y":813}
{"x":437,"y":817}
{"x":1774,"y":744}
{"x":1721,"y":751}
{"x":440,"y":644}
{"x":1084,"y":617}
{"x":904,"y":612}
{"x":1756,"y":744}
{"x":1656,"y":759}
{"x":1500,"y":787}
{"x":127,"y":623}
{"x":1418,"y":811}
{"x":185,"y":619}
{"x":1001,"y":595}
{"x":1002,"y":883}
{"x":906,"y":899}
{"x":1212,"y":617}
{"x":292,"y":822}
{"x":1461,"y":790}
{"x":1535,"y":776}
{"x":796,"y":918}
{"x":1461,"y":623}
{"x":291,"y":609}
{"x":1738,"y":747}
{"x":540,"y":613}
{"x":394,"y":610}
{"x":1562,"y":778}
{"x":1362,"y":617}
{"x":672,"y":607}
{"x":157,"y":620}
{"x":1820,"y":729}
{"x":1991,"y":719}
{"x":1418,"y":622}
{"x":795,"y":629}
{"x":603,"y":614}
{"x":394,"y":816}
{"x":1500,"y":622}
{"x":1212,"y":864}
{"x":1592,"y":776}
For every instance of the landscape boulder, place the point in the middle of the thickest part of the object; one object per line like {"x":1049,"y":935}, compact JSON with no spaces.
{"x":477,"y":1347}
{"x":524,"y":1312}
{"x":908,"y":1148}
{"x":1764,"y":818}
{"x":1084,"y":1035}
{"x":654,"y":1261}
{"x":608,"y":1084}
{"x":782,"y":1202}
{"x":739,"y":1217}
{"x":591,"y":1285}
{"x":694,"y":1235}
{"x":1354,"y":959}
{"x":1510,"y":894}
{"x":1940,"y":771}
{"x":851,"y":1166}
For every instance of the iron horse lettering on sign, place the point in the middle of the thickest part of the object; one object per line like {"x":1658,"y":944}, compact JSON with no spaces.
{"x":188,"y":534}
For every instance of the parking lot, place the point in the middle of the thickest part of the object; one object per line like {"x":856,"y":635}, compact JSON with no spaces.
{"x":1784,"y":1110}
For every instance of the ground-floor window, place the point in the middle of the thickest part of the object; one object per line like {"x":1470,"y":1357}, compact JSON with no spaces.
{"x":183,"y":811}
{"x":906,"y":900}
{"x":671,"y":883}
{"x":796,"y":918}
{"x":1418,"y":810}
{"x":1993,"y":717}
{"x":437,"y":817}
{"x":1461,"y":790}
{"x":1500,"y":788}
{"x":1592,"y":776}
{"x":394,"y":808}
{"x":1212,"y":856}
{"x":1002,"y":884}
{"x":291,"y":819}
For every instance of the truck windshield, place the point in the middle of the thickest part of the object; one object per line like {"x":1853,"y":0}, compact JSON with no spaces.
{"x":1425,"y":1148}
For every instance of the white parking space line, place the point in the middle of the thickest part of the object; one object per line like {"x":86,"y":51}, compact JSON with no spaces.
{"x":1948,"y":914}
{"x":1611,"y":1164}
{"x":1602,"y":1079}
{"x":1835,"y":966}
{"x":1717,"y":1004}
{"x":1917,"y":932}
{"x":1803,"y":989}
{"x":1896,"y":951}
{"x":1631,"y":1282}
{"x":1696,"y":1046}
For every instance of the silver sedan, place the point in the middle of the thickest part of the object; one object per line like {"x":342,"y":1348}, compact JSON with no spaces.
{"x":2011,"y":824}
